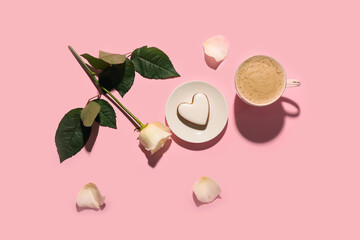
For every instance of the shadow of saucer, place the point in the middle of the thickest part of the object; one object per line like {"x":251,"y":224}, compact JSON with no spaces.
{"x":199,"y":146}
{"x":155,"y":158}
{"x":262,"y":124}
{"x":80,"y":209}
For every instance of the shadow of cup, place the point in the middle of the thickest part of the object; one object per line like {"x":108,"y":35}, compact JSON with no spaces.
{"x":262,"y":124}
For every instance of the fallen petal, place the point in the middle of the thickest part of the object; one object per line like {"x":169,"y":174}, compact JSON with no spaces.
{"x":90,"y":197}
{"x":217,"y":47}
{"x":206,"y":189}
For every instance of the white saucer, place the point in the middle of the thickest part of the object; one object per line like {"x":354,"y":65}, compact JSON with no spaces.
{"x":217,"y":118}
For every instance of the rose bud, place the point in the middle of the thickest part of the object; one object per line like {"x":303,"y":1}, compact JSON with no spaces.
{"x":154,"y":136}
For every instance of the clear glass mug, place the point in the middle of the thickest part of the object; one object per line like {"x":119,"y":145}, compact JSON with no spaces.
{"x":280,"y":91}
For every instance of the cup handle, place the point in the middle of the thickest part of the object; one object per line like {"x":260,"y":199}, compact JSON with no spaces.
{"x":292,"y":83}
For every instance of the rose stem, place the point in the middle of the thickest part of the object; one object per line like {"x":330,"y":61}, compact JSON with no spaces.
{"x":101,"y":89}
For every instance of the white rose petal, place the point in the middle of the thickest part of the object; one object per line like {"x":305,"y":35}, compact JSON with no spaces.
{"x":90,"y":197}
{"x":154,"y":136}
{"x":206,"y":189}
{"x":217,"y":47}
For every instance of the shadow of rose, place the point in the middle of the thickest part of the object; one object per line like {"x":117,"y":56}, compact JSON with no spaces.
{"x":262,"y":124}
{"x":155,"y":158}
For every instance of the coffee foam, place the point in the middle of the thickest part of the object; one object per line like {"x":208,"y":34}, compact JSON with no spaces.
{"x":260,"y":80}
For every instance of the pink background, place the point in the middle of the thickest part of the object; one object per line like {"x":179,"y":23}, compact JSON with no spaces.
{"x":281,"y":177}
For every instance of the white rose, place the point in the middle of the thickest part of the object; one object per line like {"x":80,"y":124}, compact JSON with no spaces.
{"x":154,"y":136}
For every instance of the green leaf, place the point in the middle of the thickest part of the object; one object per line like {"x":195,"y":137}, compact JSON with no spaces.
{"x":112,"y":58}
{"x":119,"y":77}
{"x":153,"y":63}
{"x":107,"y":116}
{"x":127,"y":79}
{"x":95,"y":62}
{"x":89,"y":113}
{"x":112,"y":76}
{"x":71,"y":135}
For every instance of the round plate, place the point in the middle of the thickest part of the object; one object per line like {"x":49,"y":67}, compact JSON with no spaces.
{"x":217,"y":117}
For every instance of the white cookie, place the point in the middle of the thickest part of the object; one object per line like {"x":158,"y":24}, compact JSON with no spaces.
{"x":197,"y":112}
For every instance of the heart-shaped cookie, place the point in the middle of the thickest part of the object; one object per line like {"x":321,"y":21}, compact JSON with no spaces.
{"x":197,"y":112}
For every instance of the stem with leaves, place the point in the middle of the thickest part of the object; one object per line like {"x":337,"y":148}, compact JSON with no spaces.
{"x":101,"y":89}
{"x":116,"y":72}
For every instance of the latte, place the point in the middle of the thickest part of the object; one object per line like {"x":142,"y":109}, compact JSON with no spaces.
{"x":260,"y":80}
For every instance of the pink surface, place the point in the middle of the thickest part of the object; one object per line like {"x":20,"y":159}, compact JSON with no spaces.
{"x":282,"y":177}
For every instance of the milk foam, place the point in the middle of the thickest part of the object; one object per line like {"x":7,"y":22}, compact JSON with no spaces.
{"x":260,"y":80}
